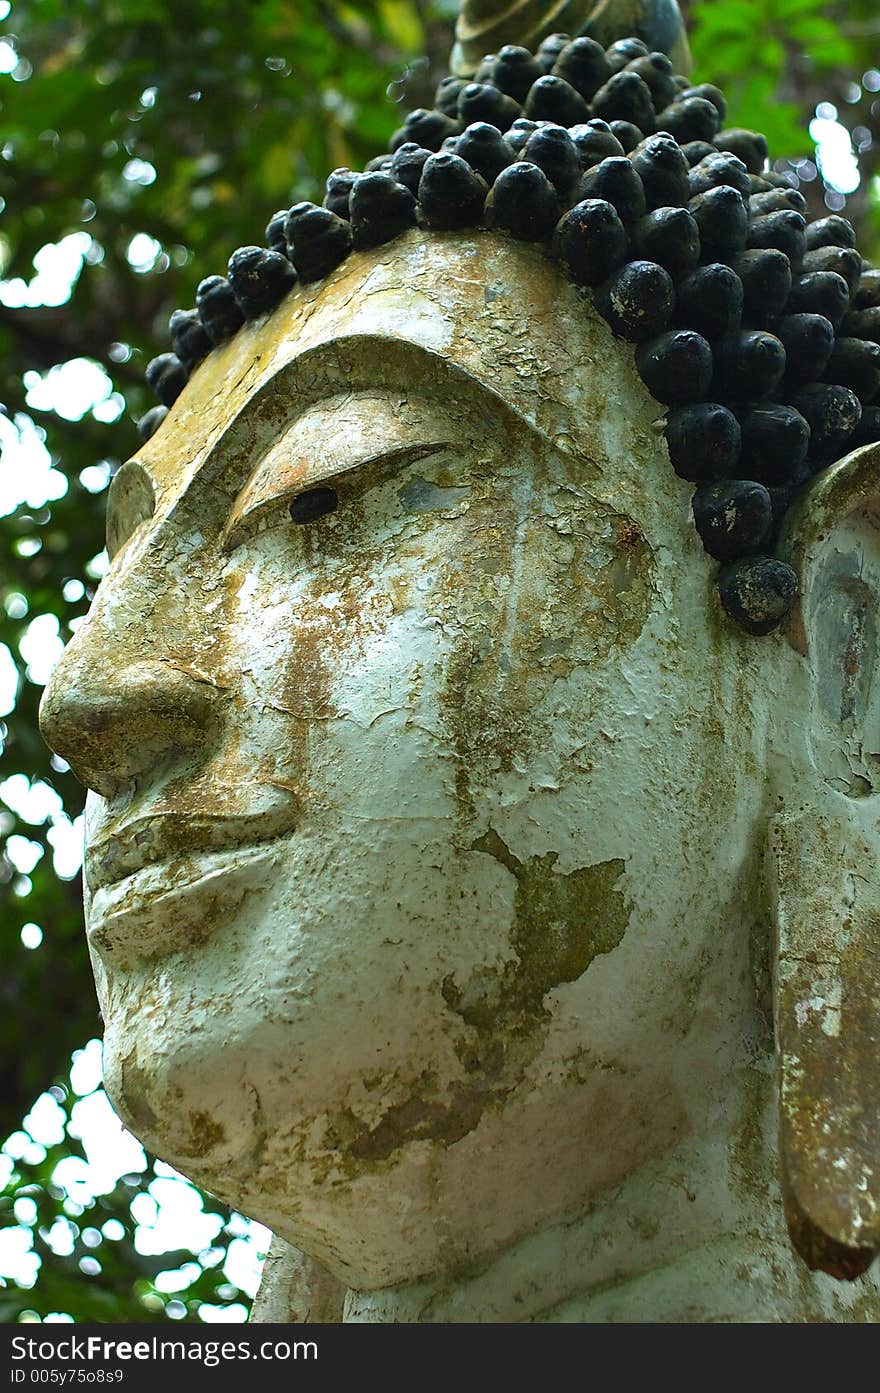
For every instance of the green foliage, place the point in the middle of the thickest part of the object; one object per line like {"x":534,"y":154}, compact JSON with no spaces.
{"x":777,"y":59}
{"x":748,"y":43}
{"x":89,"y":1262}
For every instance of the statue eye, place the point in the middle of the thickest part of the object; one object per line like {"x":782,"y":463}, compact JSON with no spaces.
{"x":313,"y":504}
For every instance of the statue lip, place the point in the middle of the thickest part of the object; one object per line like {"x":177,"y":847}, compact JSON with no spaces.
{"x":168,"y":837}
{"x":175,"y":904}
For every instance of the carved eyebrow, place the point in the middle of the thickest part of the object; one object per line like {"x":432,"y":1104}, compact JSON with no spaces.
{"x":359,"y":365}
{"x":351,"y":366}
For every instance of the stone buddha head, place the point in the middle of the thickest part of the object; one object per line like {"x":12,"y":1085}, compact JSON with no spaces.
{"x":460,"y":879}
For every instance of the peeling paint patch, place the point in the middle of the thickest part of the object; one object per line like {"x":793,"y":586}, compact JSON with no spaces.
{"x":419,"y":1117}
{"x":562,"y":922}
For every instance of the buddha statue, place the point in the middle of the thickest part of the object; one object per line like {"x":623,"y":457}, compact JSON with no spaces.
{"x":481,"y":887}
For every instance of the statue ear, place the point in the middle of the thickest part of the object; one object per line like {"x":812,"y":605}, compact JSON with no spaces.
{"x":824,"y":876}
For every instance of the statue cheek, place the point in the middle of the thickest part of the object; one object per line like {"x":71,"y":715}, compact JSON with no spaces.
{"x":566,"y":601}
{"x":462,"y":631}
{"x":593,"y":588}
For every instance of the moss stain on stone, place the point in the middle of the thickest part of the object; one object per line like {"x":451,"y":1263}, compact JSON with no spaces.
{"x":135,"y":1093}
{"x":204,"y":1134}
{"x":417,"y":1117}
{"x":561,"y":921}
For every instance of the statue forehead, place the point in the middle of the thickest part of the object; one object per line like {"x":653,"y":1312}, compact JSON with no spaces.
{"x":493,"y":314}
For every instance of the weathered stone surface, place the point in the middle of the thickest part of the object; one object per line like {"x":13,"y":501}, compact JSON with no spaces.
{"x":827,"y":1013}
{"x":296,"y":1289}
{"x":425,"y":875}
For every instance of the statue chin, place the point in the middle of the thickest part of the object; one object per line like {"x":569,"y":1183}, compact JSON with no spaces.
{"x":426,"y":884}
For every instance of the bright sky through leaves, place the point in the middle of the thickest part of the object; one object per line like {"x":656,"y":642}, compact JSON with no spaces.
{"x":169,"y":1216}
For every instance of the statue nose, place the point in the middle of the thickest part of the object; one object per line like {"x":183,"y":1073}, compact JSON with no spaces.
{"x":112,"y":724}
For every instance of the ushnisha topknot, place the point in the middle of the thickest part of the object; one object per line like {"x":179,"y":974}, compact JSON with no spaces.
{"x":758,"y":330}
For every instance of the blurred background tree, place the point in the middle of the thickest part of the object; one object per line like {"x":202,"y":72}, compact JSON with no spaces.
{"x":141,"y":142}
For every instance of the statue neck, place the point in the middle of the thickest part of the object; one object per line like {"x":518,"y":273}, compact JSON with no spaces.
{"x":696,"y":1237}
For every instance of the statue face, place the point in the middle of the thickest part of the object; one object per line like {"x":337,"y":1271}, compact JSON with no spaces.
{"x":421,"y":828}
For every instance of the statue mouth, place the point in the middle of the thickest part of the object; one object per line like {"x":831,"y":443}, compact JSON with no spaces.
{"x":162,"y":884}
{"x":168,"y":838}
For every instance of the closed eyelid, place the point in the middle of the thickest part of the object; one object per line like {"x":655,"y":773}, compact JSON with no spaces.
{"x":357,"y":478}
{"x":345,"y":442}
